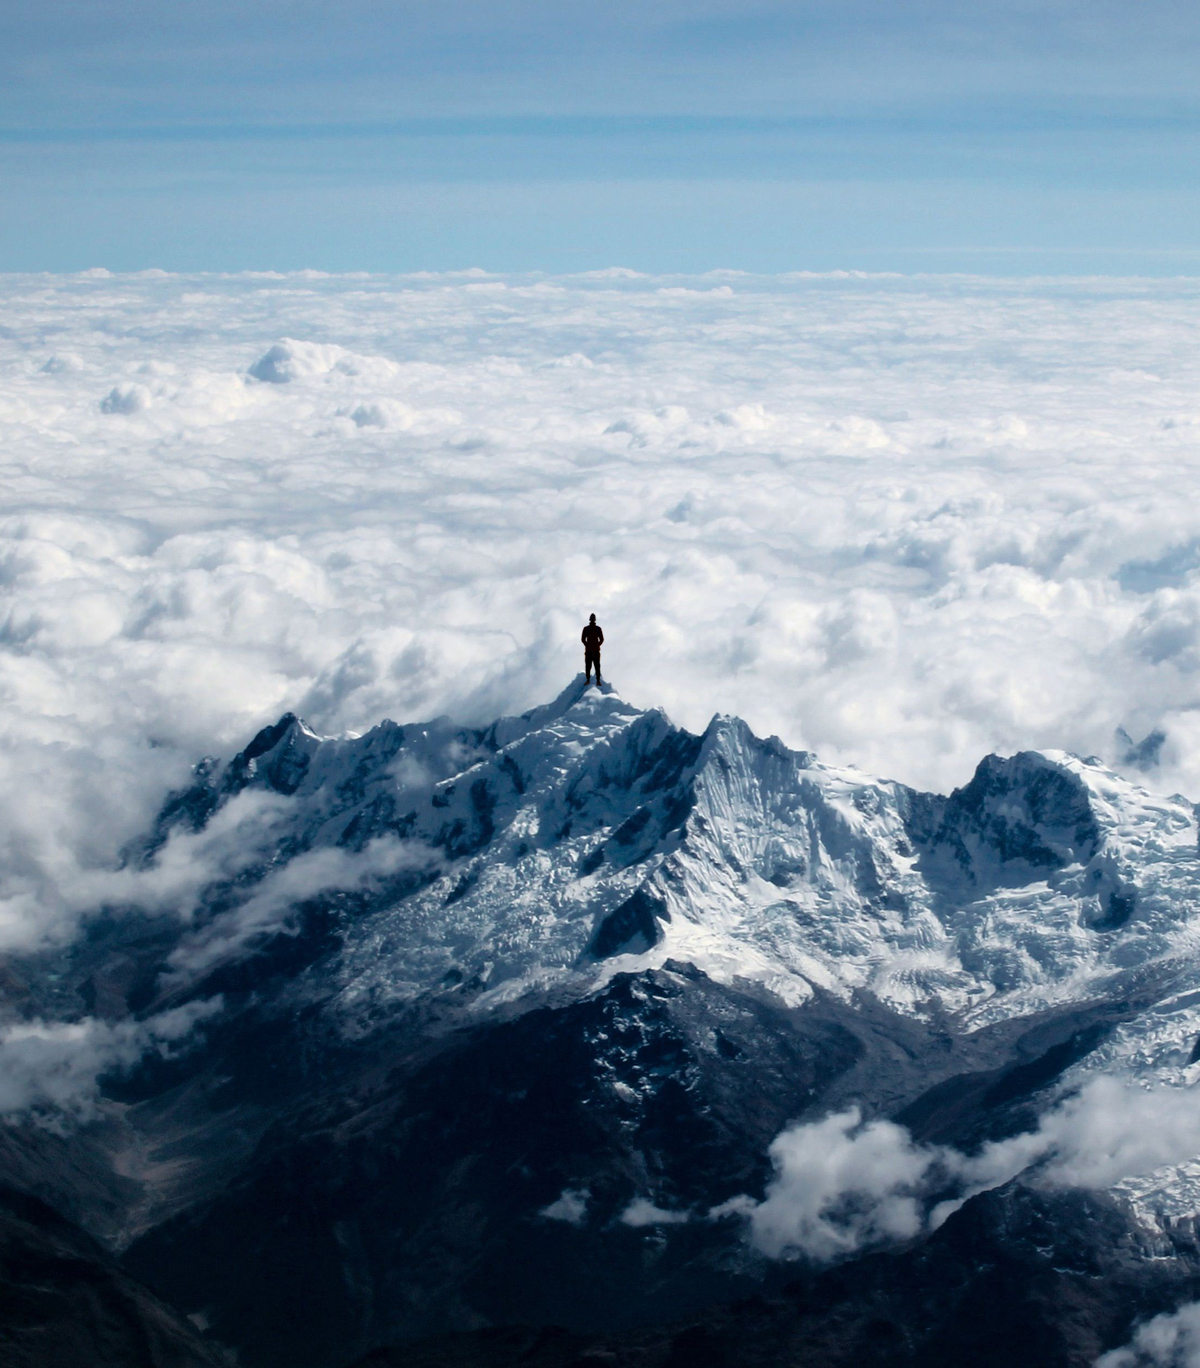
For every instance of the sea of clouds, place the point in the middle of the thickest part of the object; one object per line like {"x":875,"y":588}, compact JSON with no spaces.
{"x":900,"y":521}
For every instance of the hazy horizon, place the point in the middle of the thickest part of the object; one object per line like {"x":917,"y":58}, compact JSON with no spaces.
{"x":1059,"y":138}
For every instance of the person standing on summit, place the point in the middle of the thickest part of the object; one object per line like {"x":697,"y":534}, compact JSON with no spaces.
{"x":593,"y":639}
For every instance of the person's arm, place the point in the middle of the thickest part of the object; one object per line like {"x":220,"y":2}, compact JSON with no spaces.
{"x":599,"y":636}
{"x":583,"y":636}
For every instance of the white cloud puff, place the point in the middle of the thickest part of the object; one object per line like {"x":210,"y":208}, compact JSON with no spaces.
{"x":1167,"y":1341}
{"x":1109,"y":1130}
{"x":290,"y":360}
{"x":838,"y":1185}
{"x":381,"y":413}
{"x":271,"y":905}
{"x":570,"y":1206}
{"x":899,"y":522}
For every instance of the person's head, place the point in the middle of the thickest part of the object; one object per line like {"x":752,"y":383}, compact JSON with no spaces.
{"x":592,"y":618}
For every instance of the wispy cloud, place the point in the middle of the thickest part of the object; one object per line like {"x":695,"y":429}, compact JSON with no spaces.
{"x":53,"y":1068}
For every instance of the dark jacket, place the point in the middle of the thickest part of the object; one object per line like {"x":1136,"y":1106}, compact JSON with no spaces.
{"x":592,"y":638}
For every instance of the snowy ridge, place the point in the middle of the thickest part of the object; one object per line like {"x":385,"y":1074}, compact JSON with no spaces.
{"x":548,"y":851}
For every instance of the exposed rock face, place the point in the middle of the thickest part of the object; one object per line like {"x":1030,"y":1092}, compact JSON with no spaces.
{"x":65,"y":1302}
{"x":492,"y":1018}
{"x":1014,"y":1278}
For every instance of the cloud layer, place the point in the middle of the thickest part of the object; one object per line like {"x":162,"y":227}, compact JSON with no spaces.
{"x":901,"y":522}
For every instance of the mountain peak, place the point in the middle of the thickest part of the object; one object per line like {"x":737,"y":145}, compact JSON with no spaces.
{"x":581,"y":703}
{"x":546,"y":851}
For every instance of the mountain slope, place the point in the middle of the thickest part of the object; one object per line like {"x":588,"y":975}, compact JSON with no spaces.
{"x":64,"y":1302}
{"x":1015,"y":1278}
{"x":485,"y":1022}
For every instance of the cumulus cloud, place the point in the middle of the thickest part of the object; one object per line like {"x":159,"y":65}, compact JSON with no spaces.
{"x":59,"y":873}
{"x":55,"y":879}
{"x":382,"y":414}
{"x":287,"y":360}
{"x":899,"y":522}
{"x":840,"y":1185}
{"x":60,"y":362}
{"x":54,"y":1068}
{"x":1167,"y":1341}
{"x":70,"y":798}
{"x":290,"y":360}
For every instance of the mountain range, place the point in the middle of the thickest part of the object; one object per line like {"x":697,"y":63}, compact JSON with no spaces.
{"x":579,"y":1038}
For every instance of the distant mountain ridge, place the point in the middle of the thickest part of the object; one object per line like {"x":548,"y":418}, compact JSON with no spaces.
{"x":490,"y":1019}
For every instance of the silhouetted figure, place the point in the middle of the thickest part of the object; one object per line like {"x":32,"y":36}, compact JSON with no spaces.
{"x":593,"y":639}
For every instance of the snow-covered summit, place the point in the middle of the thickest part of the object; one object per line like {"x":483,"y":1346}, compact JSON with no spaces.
{"x":545,"y":852}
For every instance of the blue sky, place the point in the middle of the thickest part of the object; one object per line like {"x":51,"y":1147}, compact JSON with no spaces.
{"x":1004,"y":137}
